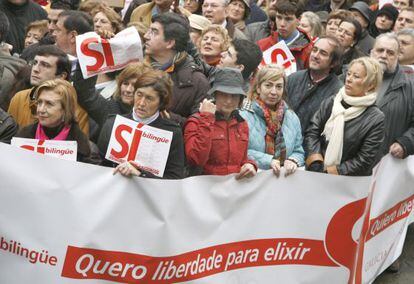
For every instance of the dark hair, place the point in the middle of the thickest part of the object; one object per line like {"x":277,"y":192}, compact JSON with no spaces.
{"x":4,"y":26}
{"x":160,"y":81}
{"x":63,"y":64}
{"x":77,"y":21}
{"x":175,"y":28}
{"x":248,"y":54}
{"x":289,"y":7}
{"x":336,"y":54}
{"x":358,"y":28}
{"x":64,"y":5}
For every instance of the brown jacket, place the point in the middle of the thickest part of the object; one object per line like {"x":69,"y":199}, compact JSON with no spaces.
{"x":20,"y":109}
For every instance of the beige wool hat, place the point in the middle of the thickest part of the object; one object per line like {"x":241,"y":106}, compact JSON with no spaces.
{"x":198,"y":22}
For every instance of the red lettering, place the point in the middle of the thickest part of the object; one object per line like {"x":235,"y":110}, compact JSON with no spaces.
{"x":41,"y":150}
{"x":107,"y":52}
{"x":124,"y":144}
{"x":27,"y":147}
{"x":135,"y":144}
{"x":92,"y":53}
{"x":277,"y":52}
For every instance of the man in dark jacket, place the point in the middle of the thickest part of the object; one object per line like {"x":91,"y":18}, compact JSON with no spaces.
{"x":9,"y":65}
{"x":395,"y":98}
{"x":306,"y":89}
{"x":20,"y":13}
{"x":8,"y":127}
{"x":166,"y":42}
{"x":363,"y":14}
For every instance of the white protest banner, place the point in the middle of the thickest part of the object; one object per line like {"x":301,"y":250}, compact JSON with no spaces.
{"x":390,"y":203}
{"x":148,"y":146}
{"x":67,"y":150}
{"x":94,"y":226}
{"x":281,"y":55}
{"x":98,"y":55}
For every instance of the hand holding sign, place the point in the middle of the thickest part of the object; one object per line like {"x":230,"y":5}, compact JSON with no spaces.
{"x":99,"y":55}
{"x":281,"y":55}
{"x":148,"y":146}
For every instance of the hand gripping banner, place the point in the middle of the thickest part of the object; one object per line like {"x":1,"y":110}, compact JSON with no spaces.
{"x":66,"y":222}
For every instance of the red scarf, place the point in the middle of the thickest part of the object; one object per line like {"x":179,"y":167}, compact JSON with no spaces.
{"x":274,"y":135}
{"x":41,"y":135}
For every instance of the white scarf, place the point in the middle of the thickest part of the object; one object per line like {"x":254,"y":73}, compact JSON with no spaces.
{"x":334,"y":127}
{"x":147,"y":120}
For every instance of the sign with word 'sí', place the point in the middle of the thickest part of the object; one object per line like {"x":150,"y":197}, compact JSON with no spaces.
{"x":146,"y":145}
{"x":66,"y":150}
{"x":98,"y":55}
{"x":281,"y":55}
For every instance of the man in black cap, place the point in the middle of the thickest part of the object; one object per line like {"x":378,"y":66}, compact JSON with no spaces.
{"x":363,"y":14}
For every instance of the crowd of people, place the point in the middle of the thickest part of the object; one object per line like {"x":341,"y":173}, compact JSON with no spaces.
{"x":203,"y":78}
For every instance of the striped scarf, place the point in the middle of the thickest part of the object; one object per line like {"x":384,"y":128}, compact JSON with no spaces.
{"x":275,"y":143}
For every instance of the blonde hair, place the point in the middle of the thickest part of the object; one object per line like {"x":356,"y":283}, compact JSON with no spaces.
{"x":42,"y":25}
{"x":113,"y":17}
{"x":221,"y":31}
{"x":315,"y":23}
{"x":373,"y":70}
{"x":271,"y":72}
{"x":132,"y":71}
{"x":67,"y":94}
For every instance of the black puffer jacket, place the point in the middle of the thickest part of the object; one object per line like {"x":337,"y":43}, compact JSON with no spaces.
{"x":305,"y":97}
{"x":398,"y":106}
{"x":363,"y":137}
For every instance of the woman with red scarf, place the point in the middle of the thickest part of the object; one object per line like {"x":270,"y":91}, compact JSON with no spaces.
{"x":56,"y":101}
{"x":275,"y":139}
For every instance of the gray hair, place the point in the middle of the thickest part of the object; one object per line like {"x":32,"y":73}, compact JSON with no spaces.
{"x":406,"y":31}
{"x":389,"y":35}
{"x":315,"y":23}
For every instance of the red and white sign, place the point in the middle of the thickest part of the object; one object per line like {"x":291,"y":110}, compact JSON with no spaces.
{"x":281,"y":55}
{"x":98,"y":55}
{"x":66,"y":150}
{"x":306,"y":228}
{"x":146,"y":145}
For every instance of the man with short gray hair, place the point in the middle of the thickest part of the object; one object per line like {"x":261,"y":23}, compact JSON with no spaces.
{"x":406,"y":39}
{"x":395,"y":98}
{"x":216,"y":12}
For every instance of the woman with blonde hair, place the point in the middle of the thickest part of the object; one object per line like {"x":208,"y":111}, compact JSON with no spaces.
{"x":213,"y":41}
{"x":105,"y":18}
{"x":311,"y":24}
{"x":35,"y":31}
{"x":56,"y":118}
{"x":345,"y":135}
{"x":275,"y":139}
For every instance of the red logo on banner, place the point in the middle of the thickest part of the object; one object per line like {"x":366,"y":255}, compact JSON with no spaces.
{"x":38,"y":149}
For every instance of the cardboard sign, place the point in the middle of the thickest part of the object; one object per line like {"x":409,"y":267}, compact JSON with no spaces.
{"x":280,"y":54}
{"x":98,"y":55}
{"x":66,"y":150}
{"x":146,"y":145}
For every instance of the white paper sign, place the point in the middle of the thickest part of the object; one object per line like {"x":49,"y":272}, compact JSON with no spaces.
{"x":281,"y":55}
{"x":98,"y":55}
{"x":146,"y":145}
{"x":384,"y":2}
{"x":66,"y":150}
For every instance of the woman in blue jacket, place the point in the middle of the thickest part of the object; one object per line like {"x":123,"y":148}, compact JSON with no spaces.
{"x":275,"y":138}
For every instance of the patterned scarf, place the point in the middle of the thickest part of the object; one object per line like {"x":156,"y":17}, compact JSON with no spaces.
{"x":169,"y":66}
{"x":275,"y":143}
